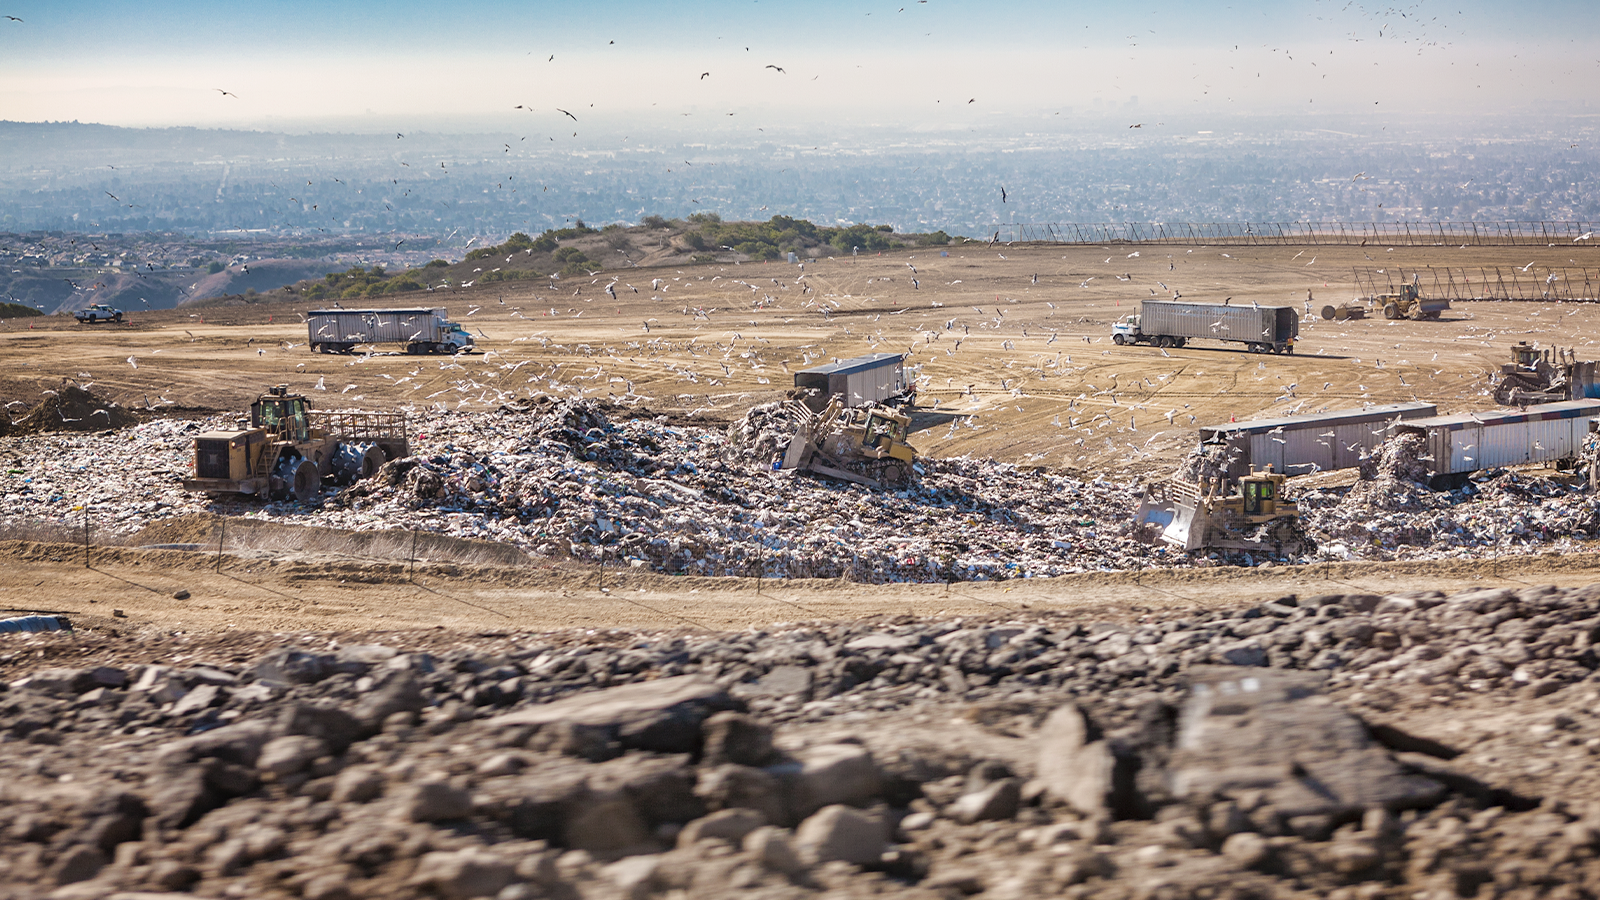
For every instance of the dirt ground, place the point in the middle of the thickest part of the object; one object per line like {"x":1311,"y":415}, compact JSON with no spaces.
{"x":1013,"y":349}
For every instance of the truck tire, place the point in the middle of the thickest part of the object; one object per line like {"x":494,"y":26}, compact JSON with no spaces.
{"x":117,"y":318}
{"x":1118,"y":339}
{"x":1179,"y":342}
{"x":1391,"y":311}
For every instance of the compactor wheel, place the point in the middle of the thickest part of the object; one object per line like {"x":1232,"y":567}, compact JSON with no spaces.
{"x":356,"y":461}
{"x":296,"y":478}
{"x":1391,"y":311}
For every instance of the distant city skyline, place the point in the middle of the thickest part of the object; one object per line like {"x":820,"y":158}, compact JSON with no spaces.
{"x":365,"y":66}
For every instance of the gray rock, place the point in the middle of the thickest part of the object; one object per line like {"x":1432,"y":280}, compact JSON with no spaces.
{"x":781,"y":681}
{"x":731,"y":737}
{"x":882,"y":642}
{"x":1247,"y":652}
{"x":290,"y":754}
{"x":604,"y":823}
{"x":730,"y":825}
{"x":634,"y":877}
{"x":999,"y":800}
{"x":289,"y":666}
{"x":1246,"y":848}
{"x":1074,"y":767}
{"x":833,"y":774}
{"x":1270,"y":732}
{"x":663,"y":715}
{"x":770,"y":846}
{"x":239,"y":743}
{"x":201,"y":698}
{"x":841,"y":834}
{"x":437,"y":801}
{"x":743,"y":787}
{"x":79,"y":863}
{"x":399,"y":693}
{"x":329,"y":724}
{"x":357,"y":784}
{"x":463,"y":874}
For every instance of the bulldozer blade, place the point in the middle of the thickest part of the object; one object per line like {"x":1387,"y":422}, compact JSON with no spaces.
{"x":1181,"y":531}
{"x":795,"y":456}
{"x":1154,"y":512}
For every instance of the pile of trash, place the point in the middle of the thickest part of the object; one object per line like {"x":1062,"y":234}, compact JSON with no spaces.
{"x":761,"y":435}
{"x":1206,"y":462}
{"x":561,"y":479}
{"x":1395,"y":478}
{"x":71,"y":408}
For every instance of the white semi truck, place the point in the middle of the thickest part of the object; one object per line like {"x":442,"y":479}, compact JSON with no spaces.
{"x":420,"y":330}
{"x":1173,"y":323}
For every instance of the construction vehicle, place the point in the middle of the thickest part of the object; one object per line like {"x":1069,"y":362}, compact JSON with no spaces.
{"x":1343,"y":311}
{"x":1248,"y":513}
{"x":865,"y":445}
{"x":1173,"y":323}
{"x":1409,"y":304}
{"x":421,"y":330}
{"x":1544,"y":376}
{"x":288,"y":451}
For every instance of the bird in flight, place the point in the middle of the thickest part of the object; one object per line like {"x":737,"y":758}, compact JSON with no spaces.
{"x":1002,"y":193}
{"x":704,"y":75}
{"x":14,"y":18}
{"x":779,"y":68}
{"x":567,"y":114}
{"x":226,"y":93}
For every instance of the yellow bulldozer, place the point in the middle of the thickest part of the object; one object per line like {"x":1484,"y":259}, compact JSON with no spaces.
{"x":866,"y":445}
{"x":289,"y":451}
{"x":1247,"y":513}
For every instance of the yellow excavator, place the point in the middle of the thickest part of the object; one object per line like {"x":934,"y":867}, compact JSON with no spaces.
{"x":1248,"y":513}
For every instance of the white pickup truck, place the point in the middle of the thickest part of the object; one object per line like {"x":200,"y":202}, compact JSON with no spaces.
{"x":98,"y":313}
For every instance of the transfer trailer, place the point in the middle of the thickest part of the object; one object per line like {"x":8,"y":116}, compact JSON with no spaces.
{"x":1173,"y":323}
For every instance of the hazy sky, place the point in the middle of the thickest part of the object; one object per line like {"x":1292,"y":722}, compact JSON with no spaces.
{"x":364,"y":65}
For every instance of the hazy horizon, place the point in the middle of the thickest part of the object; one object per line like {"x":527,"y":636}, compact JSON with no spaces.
{"x":362,"y":67}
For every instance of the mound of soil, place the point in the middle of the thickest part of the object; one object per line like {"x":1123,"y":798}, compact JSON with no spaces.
{"x":71,"y":409}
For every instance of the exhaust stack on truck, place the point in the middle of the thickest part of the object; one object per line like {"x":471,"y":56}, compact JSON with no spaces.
{"x":420,"y":330}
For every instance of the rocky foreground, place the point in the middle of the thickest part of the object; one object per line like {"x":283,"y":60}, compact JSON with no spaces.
{"x":1349,"y":746}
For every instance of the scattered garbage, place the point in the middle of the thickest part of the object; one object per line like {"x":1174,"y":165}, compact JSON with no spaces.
{"x":71,"y":408}
{"x":561,"y":478}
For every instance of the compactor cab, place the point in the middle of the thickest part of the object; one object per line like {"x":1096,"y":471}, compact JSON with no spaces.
{"x":1262,"y":494}
{"x":283,"y":415}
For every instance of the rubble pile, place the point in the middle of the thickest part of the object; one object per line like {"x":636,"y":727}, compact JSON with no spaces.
{"x":1254,"y":747}
{"x":1392,"y":514}
{"x":558,"y":478}
{"x":71,"y":408}
{"x":761,"y":436}
{"x":1206,"y":463}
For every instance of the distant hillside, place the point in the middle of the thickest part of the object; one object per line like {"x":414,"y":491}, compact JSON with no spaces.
{"x":585,"y":252}
{"x":17,"y":311}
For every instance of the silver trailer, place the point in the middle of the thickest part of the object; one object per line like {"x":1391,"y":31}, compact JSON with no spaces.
{"x":420,"y":330}
{"x":1318,"y":442}
{"x":1462,"y":444}
{"x":860,"y":381}
{"x":1173,"y":323}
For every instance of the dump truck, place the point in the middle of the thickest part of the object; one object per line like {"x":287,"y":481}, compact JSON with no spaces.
{"x":420,"y":330}
{"x":97,"y":313}
{"x":289,"y":451}
{"x":1544,"y":376}
{"x":1248,"y":513}
{"x":865,"y":445}
{"x":1409,"y":304}
{"x":1173,"y":323}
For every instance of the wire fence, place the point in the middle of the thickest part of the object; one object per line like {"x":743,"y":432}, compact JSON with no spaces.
{"x":1530,"y":282}
{"x":1356,"y":234}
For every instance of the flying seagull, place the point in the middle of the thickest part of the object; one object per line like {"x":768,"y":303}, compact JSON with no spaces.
{"x":779,"y":68}
{"x":226,"y":93}
{"x":567,"y":114}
